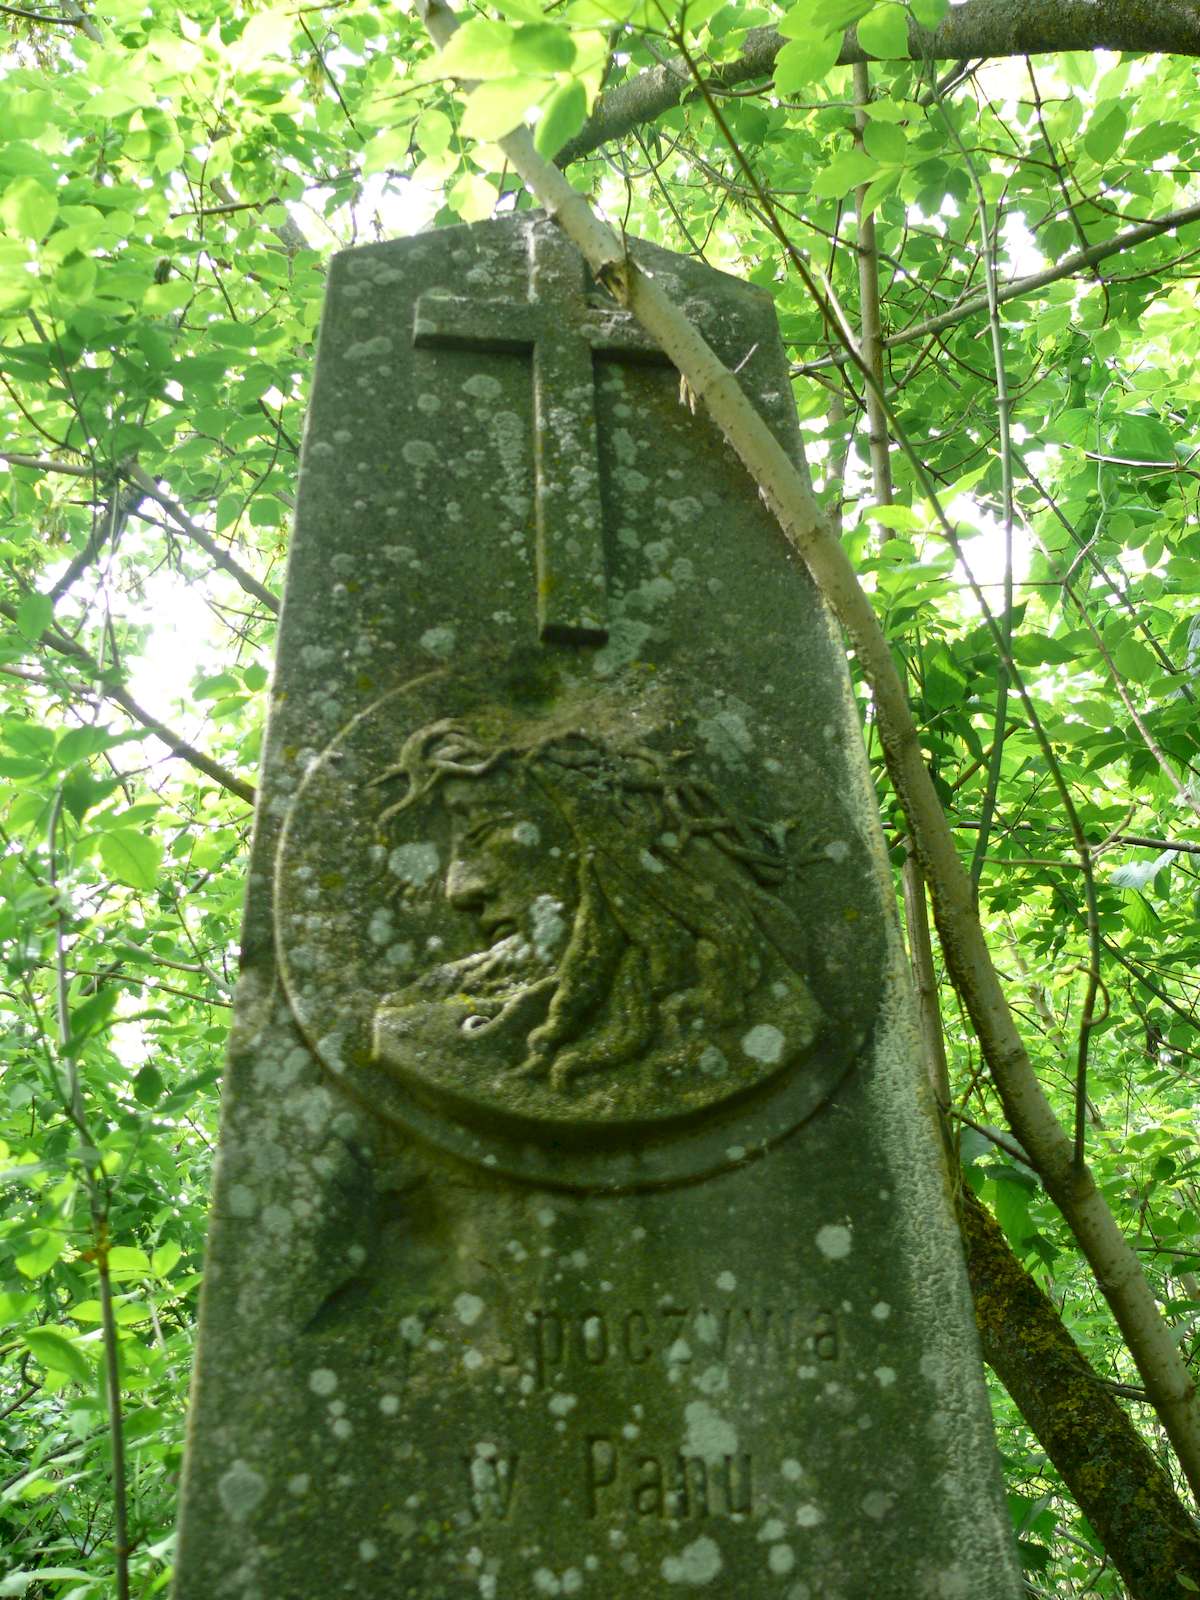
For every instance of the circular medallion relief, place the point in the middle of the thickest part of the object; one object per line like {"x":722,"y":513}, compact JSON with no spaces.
{"x":564,"y":946}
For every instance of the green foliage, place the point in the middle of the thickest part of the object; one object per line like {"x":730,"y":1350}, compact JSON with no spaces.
{"x":171,"y":184}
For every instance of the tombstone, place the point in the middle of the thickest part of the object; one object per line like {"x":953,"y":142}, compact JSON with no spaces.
{"x":581,"y":1222}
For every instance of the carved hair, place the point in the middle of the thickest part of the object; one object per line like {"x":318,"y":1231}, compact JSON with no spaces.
{"x":675,"y":926}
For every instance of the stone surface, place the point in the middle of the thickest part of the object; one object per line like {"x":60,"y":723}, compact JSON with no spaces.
{"x":580,"y":1224}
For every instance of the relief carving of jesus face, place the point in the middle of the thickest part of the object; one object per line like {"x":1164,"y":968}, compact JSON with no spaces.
{"x":510,"y":847}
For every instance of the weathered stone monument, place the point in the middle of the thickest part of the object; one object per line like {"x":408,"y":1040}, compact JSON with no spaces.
{"x":581,"y":1225}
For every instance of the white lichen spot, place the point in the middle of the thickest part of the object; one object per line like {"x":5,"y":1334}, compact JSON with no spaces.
{"x":707,"y":1433}
{"x":837,"y":850}
{"x":713,"y":1062}
{"x":696,"y":1564}
{"x":727,"y":736}
{"x":472,"y":1359}
{"x":439,"y":641}
{"x":429,"y":403}
{"x":726,"y":1282}
{"x":341,"y":1428}
{"x":241,"y":1489}
{"x":834,"y":1241}
{"x":547,"y":926}
{"x":419,"y":453}
{"x":414,"y":864}
{"x":881,"y":1311}
{"x":546,"y":1216}
{"x":651,"y":862}
{"x":298,"y":1483}
{"x":379,"y":928}
{"x":241,"y":1201}
{"x":560,"y":1404}
{"x":468,"y":1308}
{"x":367,"y":1549}
{"x":791,"y":1469}
{"x":885,"y":1376}
{"x":369,"y":350}
{"x":482,"y":386}
{"x":389,"y":1404}
{"x":763,"y":1043}
{"x":526,"y":832}
{"x":322,"y":1380}
{"x":808,"y":1516}
{"x":877,"y":1504}
{"x":781,"y":1559}
{"x":713,"y":1380}
{"x":771,"y":1530}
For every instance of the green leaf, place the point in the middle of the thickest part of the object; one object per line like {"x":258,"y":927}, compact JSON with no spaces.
{"x":480,"y":49}
{"x":878,"y":190}
{"x":1134,"y":661}
{"x":125,"y":1262}
{"x":561,"y":119}
{"x":885,"y":142}
{"x":929,"y":13}
{"x":841,"y":13}
{"x":77,"y":744}
{"x":16,"y":1583}
{"x":148,"y":1085}
{"x":432,"y":132}
{"x":41,"y":1256}
{"x":34,"y":615}
{"x":57,"y":1353}
{"x":1106,"y":133}
{"x":1142,"y":438}
{"x":496,"y":108}
{"x":885,"y":33}
{"x":27,"y":209}
{"x":165,"y":1257}
{"x":844,"y":173}
{"x":806,"y":61}
{"x":94,"y":1013}
{"x":474,"y":199}
{"x":809,"y":19}
{"x":131,"y":858}
{"x":541,"y":47}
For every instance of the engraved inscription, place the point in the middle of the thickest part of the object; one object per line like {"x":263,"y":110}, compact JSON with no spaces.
{"x":491,"y":1480}
{"x":676,"y":1486}
{"x":677,"y":1335}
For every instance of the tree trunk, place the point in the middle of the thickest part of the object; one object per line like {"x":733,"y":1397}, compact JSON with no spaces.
{"x":1119,"y":1486}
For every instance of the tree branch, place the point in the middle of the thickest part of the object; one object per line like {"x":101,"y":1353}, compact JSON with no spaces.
{"x":978,"y":28}
{"x":178,"y":746}
{"x":142,"y":481}
{"x":40,"y":16}
{"x":219,"y":556}
{"x":1066,"y":268}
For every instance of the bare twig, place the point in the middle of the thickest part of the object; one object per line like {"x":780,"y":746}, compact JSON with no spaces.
{"x":112,"y":691}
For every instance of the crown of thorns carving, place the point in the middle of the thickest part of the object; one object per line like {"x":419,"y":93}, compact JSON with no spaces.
{"x":447,"y":750}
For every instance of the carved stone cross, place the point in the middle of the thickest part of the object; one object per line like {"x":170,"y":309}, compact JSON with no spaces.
{"x":564,"y":327}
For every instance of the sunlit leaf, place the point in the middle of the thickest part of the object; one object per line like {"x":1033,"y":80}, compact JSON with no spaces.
{"x":561,"y":119}
{"x":131,"y":858}
{"x":59,"y":1354}
{"x":884,"y":33}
